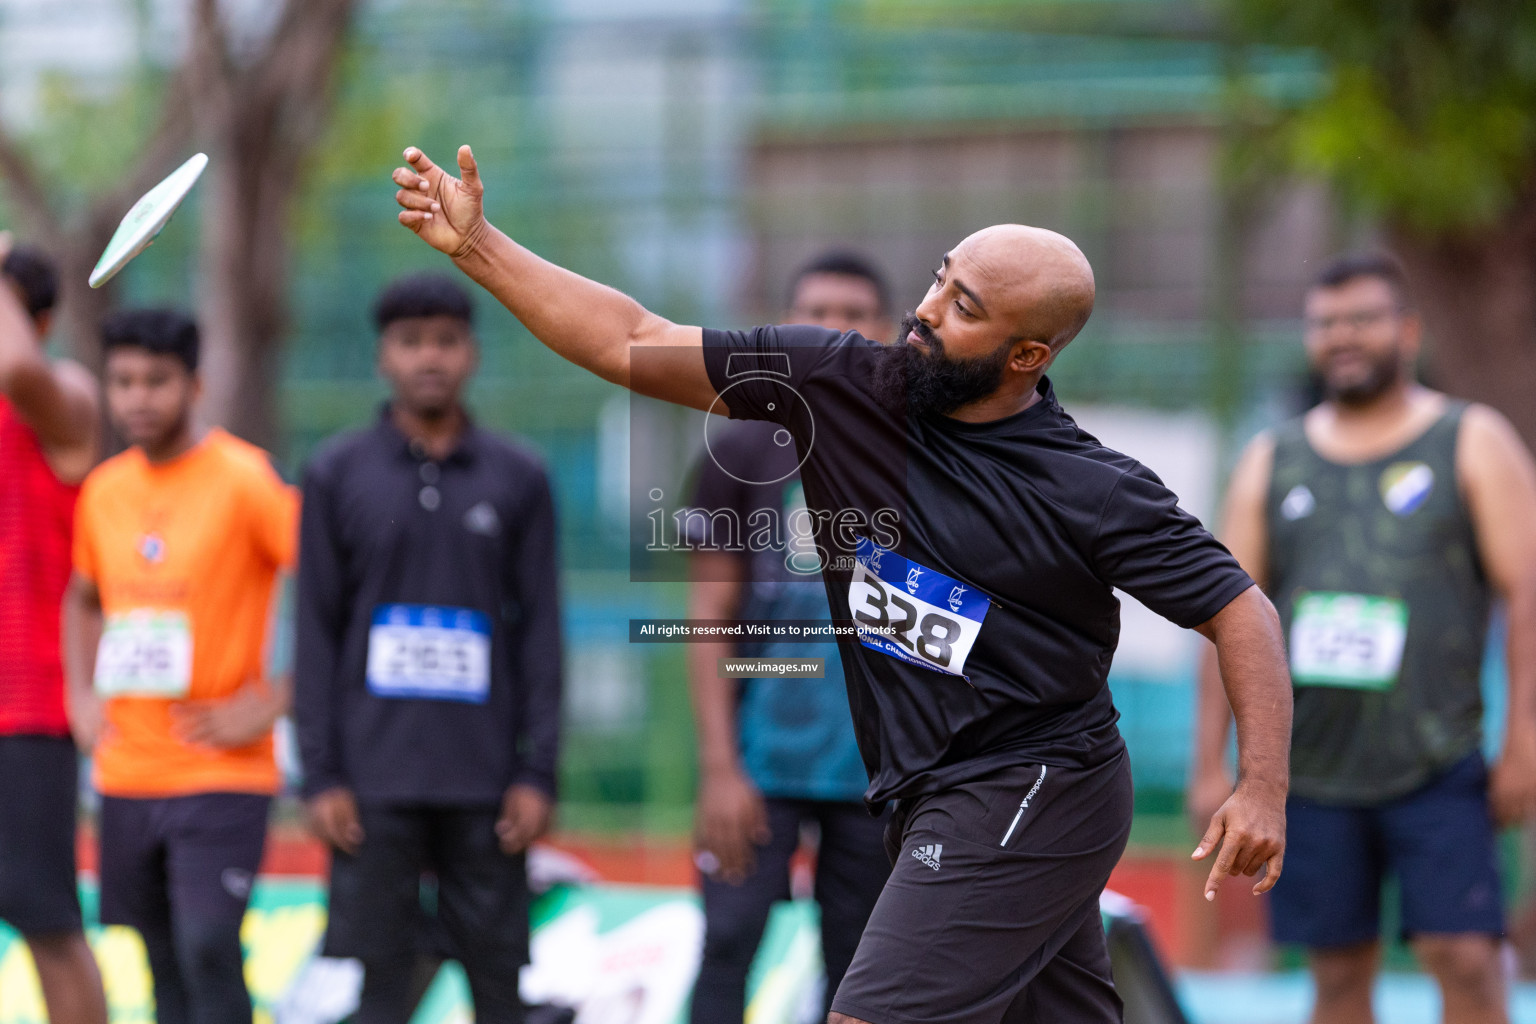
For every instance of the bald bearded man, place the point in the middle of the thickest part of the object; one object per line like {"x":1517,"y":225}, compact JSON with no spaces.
{"x":972,"y":535}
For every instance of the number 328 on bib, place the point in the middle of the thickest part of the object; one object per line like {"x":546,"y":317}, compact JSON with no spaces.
{"x":912,"y":612}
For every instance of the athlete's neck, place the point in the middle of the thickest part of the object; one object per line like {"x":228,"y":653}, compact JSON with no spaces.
{"x":1383,"y":412}
{"x":999,"y":405}
{"x":437,"y":434}
{"x":1360,"y":433}
{"x":176,"y":444}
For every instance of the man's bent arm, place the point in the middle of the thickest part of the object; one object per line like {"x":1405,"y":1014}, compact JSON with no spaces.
{"x":1498,"y":478}
{"x":1243,"y":531}
{"x":58,"y":401}
{"x":596,"y":327}
{"x":714,"y":593}
{"x":81,"y":634}
{"x":1250,"y":826}
{"x":1251,"y":653}
{"x":320,"y":623}
{"x":533,"y":573}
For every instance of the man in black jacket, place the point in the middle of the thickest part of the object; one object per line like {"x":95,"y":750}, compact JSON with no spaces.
{"x":427,"y":683}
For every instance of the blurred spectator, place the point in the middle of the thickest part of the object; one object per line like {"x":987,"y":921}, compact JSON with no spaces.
{"x":776,"y":754}
{"x":428,"y":669}
{"x":179,"y":541}
{"x":48,"y":440}
{"x":1382,"y":523}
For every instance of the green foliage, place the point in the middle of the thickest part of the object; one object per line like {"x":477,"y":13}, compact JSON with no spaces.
{"x":84,"y":136}
{"x":1429,"y":115}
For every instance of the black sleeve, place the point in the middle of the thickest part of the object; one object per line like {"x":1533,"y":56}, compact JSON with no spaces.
{"x":1161,"y":555}
{"x":321,"y":611}
{"x":763,"y":373}
{"x":534,"y":575}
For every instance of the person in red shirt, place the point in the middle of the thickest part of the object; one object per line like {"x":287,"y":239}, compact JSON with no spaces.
{"x":48,"y":441}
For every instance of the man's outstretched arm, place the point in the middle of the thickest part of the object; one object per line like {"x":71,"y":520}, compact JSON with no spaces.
{"x":594,"y":326}
{"x":1250,"y":826}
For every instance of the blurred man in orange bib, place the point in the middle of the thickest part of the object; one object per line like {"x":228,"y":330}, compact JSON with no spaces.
{"x":178,"y":543}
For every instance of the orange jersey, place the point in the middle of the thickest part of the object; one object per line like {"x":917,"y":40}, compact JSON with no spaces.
{"x":185,"y":555}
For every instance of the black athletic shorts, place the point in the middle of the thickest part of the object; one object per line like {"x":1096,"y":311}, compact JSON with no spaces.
{"x":197,"y":854}
{"x":376,"y":898}
{"x":991,"y":913}
{"x":38,"y":890}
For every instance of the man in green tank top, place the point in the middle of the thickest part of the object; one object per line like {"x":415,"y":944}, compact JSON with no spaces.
{"x":1381,"y":524}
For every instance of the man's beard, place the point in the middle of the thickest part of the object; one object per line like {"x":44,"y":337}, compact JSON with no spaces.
{"x":1385,"y":374}
{"x":931,"y":382}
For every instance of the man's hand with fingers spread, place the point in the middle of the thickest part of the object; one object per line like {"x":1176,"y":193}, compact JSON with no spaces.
{"x":445,"y":211}
{"x":1250,"y":831}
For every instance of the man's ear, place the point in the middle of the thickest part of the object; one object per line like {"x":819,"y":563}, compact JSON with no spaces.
{"x":44,"y":323}
{"x":1030,"y":356}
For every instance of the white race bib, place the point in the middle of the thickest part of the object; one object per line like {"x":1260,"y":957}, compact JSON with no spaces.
{"x":145,"y":653}
{"x":913,"y":613}
{"x":430,"y":653}
{"x":1348,"y":640}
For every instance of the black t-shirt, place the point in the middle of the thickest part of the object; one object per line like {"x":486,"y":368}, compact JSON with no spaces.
{"x":991,"y":549}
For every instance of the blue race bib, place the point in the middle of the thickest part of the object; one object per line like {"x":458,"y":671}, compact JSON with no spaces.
{"x":914,"y":613}
{"x":430,"y":653}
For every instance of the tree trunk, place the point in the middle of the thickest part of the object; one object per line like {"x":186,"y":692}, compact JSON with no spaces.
{"x":259,"y":122}
{"x":257,"y":115}
{"x":81,"y":307}
{"x":242,"y":306}
{"x":1477,"y":293}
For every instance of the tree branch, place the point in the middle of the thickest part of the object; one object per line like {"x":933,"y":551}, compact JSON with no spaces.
{"x":209,"y":69}
{"x":169,"y":141}
{"x":296,"y":66}
{"x":30,"y":200}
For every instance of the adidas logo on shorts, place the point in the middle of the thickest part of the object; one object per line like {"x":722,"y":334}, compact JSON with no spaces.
{"x":929,"y":854}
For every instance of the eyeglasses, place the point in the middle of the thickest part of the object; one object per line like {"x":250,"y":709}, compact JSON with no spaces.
{"x":1354,"y":321}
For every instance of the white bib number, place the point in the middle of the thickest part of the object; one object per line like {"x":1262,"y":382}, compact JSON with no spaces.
{"x":145,"y":653}
{"x":913,"y":613}
{"x":1348,"y":640}
{"x":430,"y":653}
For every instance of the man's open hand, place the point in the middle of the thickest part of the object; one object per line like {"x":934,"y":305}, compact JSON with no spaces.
{"x":445,"y":211}
{"x":1250,"y":830}
{"x":231,"y":722}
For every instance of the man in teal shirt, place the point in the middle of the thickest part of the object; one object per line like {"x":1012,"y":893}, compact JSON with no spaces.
{"x":776,"y":754}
